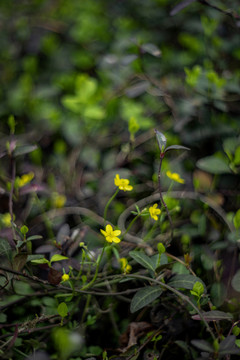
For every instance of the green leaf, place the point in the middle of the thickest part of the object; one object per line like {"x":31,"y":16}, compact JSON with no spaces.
{"x":202,"y":345}
{"x":19,"y":261}
{"x":62,"y":309}
{"x":198,"y":288}
{"x":185,"y":281}
{"x":237,"y":343}
{"x":58,"y":257}
{"x":213,"y":165}
{"x":176,"y":147}
{"x":22,"y":288}
{"x":24,"y":230}
{"x":236,"y":220}
{"x":5,"y":249}
{"x":144,"y":297}
{"x":218,"y":294}
{"x":214,"y":315}
{"x":34,"y":257}
{"x":143,"y":260}
{"x":227,"y":346}
{"x":161,"y":139}
{"x":237,"y":156}
{"x":34,"y":237}
{"x":25,"y":149}
{"x":40,"y":261}
{"x":236,"y":281}
{"x":236,"y":330}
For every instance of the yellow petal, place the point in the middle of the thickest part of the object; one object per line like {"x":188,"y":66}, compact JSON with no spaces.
{"x":103,"y":232}
{"x":116,"y":239}
{"x":109,"y":229}
{"x":109,"y":239}
{"x":116,"y":232}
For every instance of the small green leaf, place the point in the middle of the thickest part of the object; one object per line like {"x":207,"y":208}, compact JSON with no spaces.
{"x":236,"y":220}
{"x":228,"y":347}
{"x":176,"y":147}
{"x":40,"y":261}
{"x":236,"y":330}
{"x":185,"y":281}
{"x":213,"y":315}
{"x":24,"y":230}
{"x":203,"y":345}
{"x":198,"y":288}
{"x":144,"y":297}
{"x":25,"y":149}
{"x":218,"y":294}
{"x":34,"y":257}
{"x":143,"y":260}
{"x":237,"y":343}
{"x":213,"y":165}
{"x":161,"y":248}
{"x":237,"y":156}
{"x":58,"y":257}
{"x":62,"y":309}
{"x":34,"y":237}
{"x":162,"y":141}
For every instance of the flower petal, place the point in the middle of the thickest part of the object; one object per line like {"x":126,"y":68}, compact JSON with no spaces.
{"x":109,"y":229}
{"x":109,"y":239}
{"x":116,"y":232}
{"x":116,"y":239}
{"x":103,"y":232}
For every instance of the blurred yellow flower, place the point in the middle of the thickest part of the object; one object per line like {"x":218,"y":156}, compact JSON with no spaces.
{"x":154,"y":211}
{"x":6,"y":220}
{"x":65,"y":277}
{"x":175,"y":177}
{"x":58,"y":200}
{"x":125,"y":267}
{"x":110,"y":234}
{"x":123,"y":184}
{"x":24,"y":179}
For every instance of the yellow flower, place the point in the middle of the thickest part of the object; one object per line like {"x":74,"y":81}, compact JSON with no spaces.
{"x":6,"y":220}
{"x":123,"y":184}
{"x":65,"y":277}
{"x":58,"y":201}
{"x":154,"y":211}
{"x":125,"y":267}
{"x":176,"y":177}
{"x":110,"y":234}
{"x":25,"y":179}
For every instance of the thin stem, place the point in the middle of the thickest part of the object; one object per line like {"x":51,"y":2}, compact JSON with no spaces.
{"x":96,"y":271}
{"x":130,"y":225}
{"x":161,"y":197}
{"x":107,"y":205}
{"x":13,"y":176}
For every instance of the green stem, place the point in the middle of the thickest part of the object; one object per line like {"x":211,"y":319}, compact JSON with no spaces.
{"x":161,"y":197}
{"x":131,"y":224}
{"x":96,"y":271}
{"x":107,"y":205}
{"x":86,"y":307}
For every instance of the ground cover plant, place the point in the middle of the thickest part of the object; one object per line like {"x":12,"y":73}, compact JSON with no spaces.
{"x":119,"y":180}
